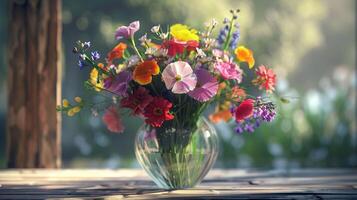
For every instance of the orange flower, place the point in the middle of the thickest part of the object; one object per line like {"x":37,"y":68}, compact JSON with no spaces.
{"x":237,"y":94}
{"x":224,"y":115}
{"x":144,"y":71}
{"x":117,"y":52}
{"x":244,"y":54}
{"x":222,"y":112}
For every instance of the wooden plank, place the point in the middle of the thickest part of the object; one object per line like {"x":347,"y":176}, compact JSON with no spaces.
{"x":219,"y":184}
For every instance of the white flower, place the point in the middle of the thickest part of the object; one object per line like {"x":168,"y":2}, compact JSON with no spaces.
{"x":200,"y":53}
{"x":209,"y":42}
{"x":155,"y":29}
{"x":150,"y":51}
{"x":161,"y":52}
{"x":133,"y":60}
{"x":144,"y":40}
{"x":163,"y":36}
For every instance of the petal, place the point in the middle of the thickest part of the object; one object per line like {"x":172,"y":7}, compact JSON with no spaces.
{"x":168,"y":76}
{"x":180,"y":87}
{"x":183,"y":68}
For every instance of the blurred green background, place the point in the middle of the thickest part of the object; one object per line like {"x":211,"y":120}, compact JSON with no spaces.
{"x":310,"y":44}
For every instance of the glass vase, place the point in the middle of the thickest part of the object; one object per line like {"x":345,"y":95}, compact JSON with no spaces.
{"x":177,"y":157}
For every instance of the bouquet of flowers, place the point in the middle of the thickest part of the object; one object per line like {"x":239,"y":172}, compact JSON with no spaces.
{"x":168,"y":78}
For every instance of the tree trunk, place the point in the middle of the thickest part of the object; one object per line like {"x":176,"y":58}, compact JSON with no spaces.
{"x":34,"y":86}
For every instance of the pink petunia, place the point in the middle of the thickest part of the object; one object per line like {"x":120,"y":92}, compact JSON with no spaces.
{"x":112,"y":120}
{"x":229,"y":70}
{"x":206,"y":88}
{"x":179,"y":77}
{"x":127,"y":31}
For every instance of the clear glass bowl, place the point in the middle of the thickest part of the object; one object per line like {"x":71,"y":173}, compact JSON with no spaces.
{"x":177,"y":157}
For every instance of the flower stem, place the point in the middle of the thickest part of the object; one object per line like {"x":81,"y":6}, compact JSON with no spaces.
{"x":229,"y":34}
{"x":136,"y":49}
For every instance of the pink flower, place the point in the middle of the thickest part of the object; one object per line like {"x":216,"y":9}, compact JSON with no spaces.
{"x":127,"y":31}
{"x":266,"y":78}
{"x":206,"y":88}
{"x":229,"y":70}
{"x":219,"y":54}
{"x":179,"y":77}
{"x":112,"y":120}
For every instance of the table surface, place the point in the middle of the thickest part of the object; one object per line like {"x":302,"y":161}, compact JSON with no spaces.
{"x":218,"y":184}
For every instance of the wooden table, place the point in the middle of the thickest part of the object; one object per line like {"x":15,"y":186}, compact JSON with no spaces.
{"x":219,"y":184}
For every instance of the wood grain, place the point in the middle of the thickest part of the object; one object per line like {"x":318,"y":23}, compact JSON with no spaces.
{"x":33,"y":126}
{"x":219,"y":184}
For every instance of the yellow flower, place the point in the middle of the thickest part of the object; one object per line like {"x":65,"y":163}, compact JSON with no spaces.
{"x":65,"y":103}
{"x":183,"y":33}
{"x":76,"y":109}
{"x":78,"y":99}
{"x":71,"y":112}
{"x":97,"y":83}
{"x":244,"y":54}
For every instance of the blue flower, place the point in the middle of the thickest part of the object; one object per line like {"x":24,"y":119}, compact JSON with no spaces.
{"x":234,"y":39}
{"x":95,"y":55}
{"x":222,"y":35}
{"x":81,"y":64}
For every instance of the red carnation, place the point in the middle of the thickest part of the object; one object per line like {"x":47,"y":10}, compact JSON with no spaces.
{"x":244,"y":110}
{"x":158,"y":111}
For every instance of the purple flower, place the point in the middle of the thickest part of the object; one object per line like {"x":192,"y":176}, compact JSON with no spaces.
{"x":82,"y":61}
{"x":234,"y":39}
{"x":249,"y":127}
{"x":206,"y":87}
{"x":118,"y":84}
{"x":81,"y":64}
{"x":222,"y":35}
{"x":95,"y":55}
{"x":239,"y":129}
{"x":127,"y":31}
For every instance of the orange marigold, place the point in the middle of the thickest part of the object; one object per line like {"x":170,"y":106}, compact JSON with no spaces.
{"x":144,"y":71}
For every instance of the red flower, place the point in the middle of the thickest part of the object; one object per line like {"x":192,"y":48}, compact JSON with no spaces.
{"x":112,"y":120}
{"x":158,"y":111}
{"x":137,"y":101}
{"x":244,"y":110}
{"x":174,"y":47}
{"x":192,"y":45}
{"x":266,"y":78}
{"x":178,"y":47}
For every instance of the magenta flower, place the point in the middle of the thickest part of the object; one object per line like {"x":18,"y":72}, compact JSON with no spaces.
{"x":179,"y":77}
{"x":118,"y":84}
{"x":229,"y":70}
{"x":206,"y":88}
{"x":127,"y":31}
